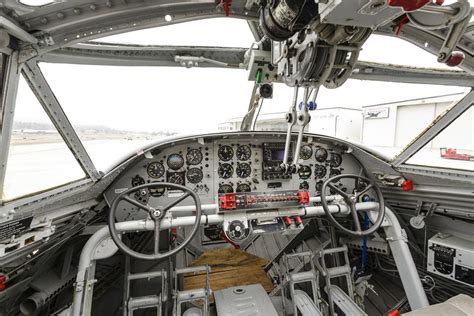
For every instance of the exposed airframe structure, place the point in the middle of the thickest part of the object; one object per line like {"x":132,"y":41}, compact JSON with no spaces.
{"x":62,"y":32}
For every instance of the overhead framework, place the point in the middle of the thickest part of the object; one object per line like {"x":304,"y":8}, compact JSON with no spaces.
{"x":136,"y":55}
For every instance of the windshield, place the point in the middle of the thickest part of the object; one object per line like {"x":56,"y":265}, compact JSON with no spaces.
{"x":117,"y":109}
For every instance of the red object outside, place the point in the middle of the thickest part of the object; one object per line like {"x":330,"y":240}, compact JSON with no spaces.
{"x":303,"y":197}
{"x":226,"y":6}
{"x":407,"y":185}
{"x":287,"y":220}
{"x":408,"y":5}
{"x":451,"y":153}
{"x":395,"y":312}
{"x":455,"y":59}
{"x":227,"y":202}
{"x":3,"y":279}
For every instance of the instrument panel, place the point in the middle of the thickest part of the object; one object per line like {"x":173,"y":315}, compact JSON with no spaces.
{"x":218,"y":165}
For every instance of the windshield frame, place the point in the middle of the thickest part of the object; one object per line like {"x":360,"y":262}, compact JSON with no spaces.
{"x":229,"y":53}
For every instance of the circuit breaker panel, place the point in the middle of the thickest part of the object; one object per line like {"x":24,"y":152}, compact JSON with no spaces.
{"x":452,"y":258}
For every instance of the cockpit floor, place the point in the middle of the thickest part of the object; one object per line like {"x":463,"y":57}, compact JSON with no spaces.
{"x":229,"y":267}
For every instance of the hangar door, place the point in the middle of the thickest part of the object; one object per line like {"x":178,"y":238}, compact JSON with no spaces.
{"x":411,"y":121}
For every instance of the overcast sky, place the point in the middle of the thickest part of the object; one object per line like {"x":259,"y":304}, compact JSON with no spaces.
{"x":196,"y":100}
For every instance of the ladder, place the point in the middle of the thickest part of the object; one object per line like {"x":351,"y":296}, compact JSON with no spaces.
{"x":345,"y":301}
{"x":193,"y":295}
{"x":131,"y":304}
{"x":301,"y":276}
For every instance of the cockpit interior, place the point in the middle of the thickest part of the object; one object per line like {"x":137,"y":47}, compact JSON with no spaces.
{"x":300,"y":212}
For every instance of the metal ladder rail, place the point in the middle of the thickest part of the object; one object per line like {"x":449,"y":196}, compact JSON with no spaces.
{"x":181,"y":297}
{"x":292,"y":278}
{"x":335,"y":272}
{"x":130,"y":304}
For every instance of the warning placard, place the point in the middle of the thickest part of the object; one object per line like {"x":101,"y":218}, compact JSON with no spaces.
{"x":14,"y":227}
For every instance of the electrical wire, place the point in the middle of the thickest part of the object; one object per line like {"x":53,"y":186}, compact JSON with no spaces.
{"x":258,"y":113}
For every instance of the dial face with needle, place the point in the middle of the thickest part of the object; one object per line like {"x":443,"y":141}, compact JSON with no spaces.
{"x":194,"y":175}
{"x":306,"y":152}
{"x":225,"y":170}
{"x":244,"y":152}
{"x":155,"y":170}
{"x":194,"y":157}
{"x":243,"y":170}
{"x":225,"y":153}
{"x":225,"y":188}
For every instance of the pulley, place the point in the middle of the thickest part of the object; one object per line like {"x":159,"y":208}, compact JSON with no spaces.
{"x":281,"y":19}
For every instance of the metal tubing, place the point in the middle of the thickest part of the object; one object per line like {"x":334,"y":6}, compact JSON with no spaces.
{"x":404,"y":262}
{"x":291,"y":123}
{"x":85,"y":276}
{"x":11,"y":76}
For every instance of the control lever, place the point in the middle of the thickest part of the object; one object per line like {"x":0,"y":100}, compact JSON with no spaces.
{"x":291,"y":119}
{"x":302,"y":120}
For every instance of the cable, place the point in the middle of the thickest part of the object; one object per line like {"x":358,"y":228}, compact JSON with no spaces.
{"x":258,"y":113}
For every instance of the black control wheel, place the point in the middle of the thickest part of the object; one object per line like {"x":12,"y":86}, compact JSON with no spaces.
{"x":156,"y":214}
{"x":351,"y":200}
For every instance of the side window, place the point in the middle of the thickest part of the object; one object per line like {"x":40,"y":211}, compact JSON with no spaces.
{"x":38,"y":158}
{"x":452,"y":148}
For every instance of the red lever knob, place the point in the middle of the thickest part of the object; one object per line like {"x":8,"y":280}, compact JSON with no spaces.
{"x":455,"y":59}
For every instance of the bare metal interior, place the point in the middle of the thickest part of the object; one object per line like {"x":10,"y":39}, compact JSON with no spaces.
{"x":94,"y":236}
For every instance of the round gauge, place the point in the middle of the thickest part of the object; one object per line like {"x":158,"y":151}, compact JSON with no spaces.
{"x":243,"y":187}
{"x":321,"y":154}
{"x":319,"y":186}
{"x":306,"y":152}
{"x":225,"y":171}
{"x":319,"y":171}
{"x":175,"y":161}
{"x":304,"y":172}
{"x":156,"y":192}
{"x":176,"y":178}
{"x":194,"y":157}
{"x":304,"y":185}
{"x":137,"y":180}
{"x":244,"y":152}
{"x":155,"y":170}
{"x":194,"y":175}
{"x":243,"y":170}
{"x":237,"y":231}
{"x":336,"y":160}
{"x":225,"y":153}
{"x":334,"y":172}
{"x":225,"y":188}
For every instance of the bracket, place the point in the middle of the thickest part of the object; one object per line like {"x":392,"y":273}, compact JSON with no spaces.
{"x":418,"y":221}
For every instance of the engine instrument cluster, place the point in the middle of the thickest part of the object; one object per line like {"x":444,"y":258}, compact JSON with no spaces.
{"x":247,"y":166}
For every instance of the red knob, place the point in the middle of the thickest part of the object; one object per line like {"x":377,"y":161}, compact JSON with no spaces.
{"x":455,"y":59}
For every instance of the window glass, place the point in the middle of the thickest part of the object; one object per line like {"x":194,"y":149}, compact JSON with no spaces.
{"x":452,"y":148}
{"x":406,"y":53}
{"x":124,"y":108}
{"x":223,"y":32}
{"x":38,"y":158}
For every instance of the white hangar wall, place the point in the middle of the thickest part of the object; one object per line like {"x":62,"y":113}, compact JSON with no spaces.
{"x":394,"y":125}
{"x":343,"y":123}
